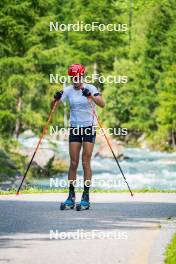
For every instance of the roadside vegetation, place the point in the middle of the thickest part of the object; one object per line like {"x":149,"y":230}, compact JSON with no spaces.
{"x":170,"y":254}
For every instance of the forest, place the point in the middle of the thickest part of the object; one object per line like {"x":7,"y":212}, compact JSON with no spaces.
{"x":145,"y":53}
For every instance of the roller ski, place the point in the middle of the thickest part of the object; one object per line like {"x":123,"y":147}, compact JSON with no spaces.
{"x":84,"y":204}
{"x":69,"y":203}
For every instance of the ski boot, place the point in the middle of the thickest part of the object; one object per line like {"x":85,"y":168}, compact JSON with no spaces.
{"x":69,"y":203}
{"x":84,"y":204}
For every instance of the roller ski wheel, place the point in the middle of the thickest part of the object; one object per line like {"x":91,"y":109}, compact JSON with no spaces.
{"x":69,"y":203}
{"x":84,"y":204}
{"x":80,"y":207}
{"x":64,"y":206}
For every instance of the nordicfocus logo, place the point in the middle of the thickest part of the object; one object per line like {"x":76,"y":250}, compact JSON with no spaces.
{"x":87,"y":235}
{"x":111,"y":131}
{"x":55,"y":78}
{"x":79,"y":183}
{"x":81,"y":26}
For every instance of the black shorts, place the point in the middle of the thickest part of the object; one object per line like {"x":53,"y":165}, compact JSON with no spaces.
{"x":82,"y":134}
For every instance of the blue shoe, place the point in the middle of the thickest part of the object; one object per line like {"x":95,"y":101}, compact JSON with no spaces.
{"x":69,"y":203}
{"x":84,"y":204}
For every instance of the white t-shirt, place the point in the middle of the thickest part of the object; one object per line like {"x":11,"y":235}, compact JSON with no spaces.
{"x":81,"y":114}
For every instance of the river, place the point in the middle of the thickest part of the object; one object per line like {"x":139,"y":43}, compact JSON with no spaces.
{"x":144,"y":169}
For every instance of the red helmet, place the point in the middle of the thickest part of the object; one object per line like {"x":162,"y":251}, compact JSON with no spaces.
{"x":76,"y":70}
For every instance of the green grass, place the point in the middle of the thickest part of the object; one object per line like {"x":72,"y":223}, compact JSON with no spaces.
{"x":170,"y":254}
{"x":39,"y":190}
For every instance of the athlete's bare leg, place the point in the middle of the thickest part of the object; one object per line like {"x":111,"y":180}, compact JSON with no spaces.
{"x":74,"y":151}
{"x":86,"y":161}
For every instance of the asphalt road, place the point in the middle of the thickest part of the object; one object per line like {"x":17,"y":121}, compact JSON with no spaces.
{"x":117,"y":229}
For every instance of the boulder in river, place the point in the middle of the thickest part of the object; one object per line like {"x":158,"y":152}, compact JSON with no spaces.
{"x":105,"y":152}
{"x":46,"y":161}
{"x":27,"y":134}
{"x":42,"y":157}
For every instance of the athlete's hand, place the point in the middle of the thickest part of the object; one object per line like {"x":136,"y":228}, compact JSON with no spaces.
{"x":86,"y":92}
{"x":58,"y":95}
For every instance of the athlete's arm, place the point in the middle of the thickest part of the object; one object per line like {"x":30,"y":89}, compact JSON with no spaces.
{"x":98,"y":100}
{"x":96,"y":97}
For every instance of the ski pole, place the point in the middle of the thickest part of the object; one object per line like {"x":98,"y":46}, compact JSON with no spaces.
{"x":40,"y":139}
{"x":95,"y":114}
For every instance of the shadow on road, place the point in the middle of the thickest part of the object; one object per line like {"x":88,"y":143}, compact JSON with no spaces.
{"x":28,"y":217}
{"x":39,"y":217}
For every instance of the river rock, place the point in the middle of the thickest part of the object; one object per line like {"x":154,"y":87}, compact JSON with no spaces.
{"x":42,"y":157}
{"x":58,"y":166}
{"x":46,"y":161}
{"x":6,"y":185}
{"x":143,"y":142}
{"x":27,"y":134}
{"x":17,"y":181}
{"x":105,"y":152}
{"x":12,"y":183}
